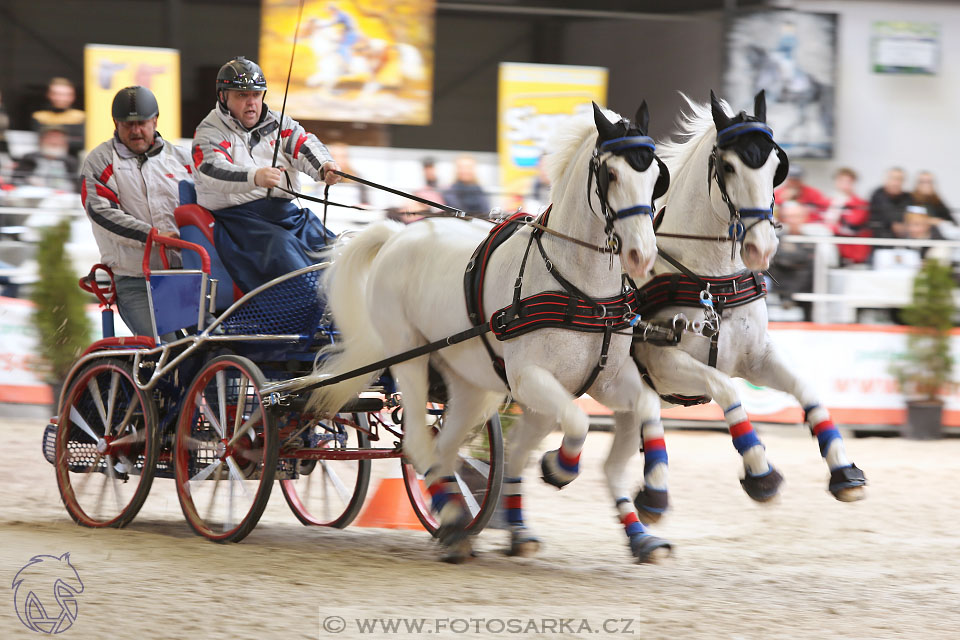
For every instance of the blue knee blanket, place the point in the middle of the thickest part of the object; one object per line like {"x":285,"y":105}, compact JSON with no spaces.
{"x":264,"y":239}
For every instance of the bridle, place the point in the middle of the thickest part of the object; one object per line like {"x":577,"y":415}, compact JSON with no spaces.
{"x":737,"y":230}
{"x":599,"y":172}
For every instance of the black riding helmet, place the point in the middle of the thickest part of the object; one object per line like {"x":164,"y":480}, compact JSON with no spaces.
{"x":239,"y":74}
{"x":134,"y":104}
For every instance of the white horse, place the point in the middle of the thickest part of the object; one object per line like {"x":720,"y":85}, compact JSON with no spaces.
{"x":394,"y":288}
{"x":724,"y":174}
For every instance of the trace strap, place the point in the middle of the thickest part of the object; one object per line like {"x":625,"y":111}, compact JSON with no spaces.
{"x":409,"y":196}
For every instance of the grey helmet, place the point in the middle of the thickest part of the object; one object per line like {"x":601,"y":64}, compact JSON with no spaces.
{"x":240,"y":74}
{"x":133,"y":104}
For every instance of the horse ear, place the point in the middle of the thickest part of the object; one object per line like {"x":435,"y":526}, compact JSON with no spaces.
{"x":642,"y":119}
{"x":760,"y":106}
{"x":720,"y":117}
{"x":606,"y":129}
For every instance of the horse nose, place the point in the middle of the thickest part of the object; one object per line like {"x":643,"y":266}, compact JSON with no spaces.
{"x":637,"y":265}
{"x":758,"y":259}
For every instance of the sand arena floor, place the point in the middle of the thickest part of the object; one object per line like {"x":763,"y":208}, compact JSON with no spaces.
{"x":805,"y":567}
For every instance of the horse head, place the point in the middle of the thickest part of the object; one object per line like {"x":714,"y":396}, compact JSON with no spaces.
{"x":746,"y":165}
{"x":629,"y":177}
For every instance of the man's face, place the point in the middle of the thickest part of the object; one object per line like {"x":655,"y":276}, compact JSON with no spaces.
{"x":894,"y":183}
{"x":61,"y":96}
{"x":844,"y":183}
{"x":245,"y":106}
{"x":53,"y":144}
{"x":137,"y":135}
{"x":917,"y":226}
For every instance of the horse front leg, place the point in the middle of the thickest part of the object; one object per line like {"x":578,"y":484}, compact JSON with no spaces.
{"x":676,"y":372}
{"x":539,"y":391}
{"x":640,"y":424}
{"x":847,"y":481}
{"x":524,"y":436}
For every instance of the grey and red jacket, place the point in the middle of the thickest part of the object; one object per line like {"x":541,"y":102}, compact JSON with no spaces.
{"x":226,"y":157}
{"x":125,"y":194}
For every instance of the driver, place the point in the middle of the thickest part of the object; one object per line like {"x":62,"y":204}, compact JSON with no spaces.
{"x":259,"y":234}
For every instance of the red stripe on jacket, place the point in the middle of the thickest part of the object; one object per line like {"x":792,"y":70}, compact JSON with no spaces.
{"x":300,"y":141}
{"x":105,"y":176}
{"x":108,"y":194}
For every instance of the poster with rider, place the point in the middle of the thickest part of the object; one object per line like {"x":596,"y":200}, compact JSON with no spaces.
{"x":355,"y":60}
{"x":792,"y":55}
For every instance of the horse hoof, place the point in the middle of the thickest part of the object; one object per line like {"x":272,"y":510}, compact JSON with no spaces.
{"x":847,"y":484}
{"x":553,"y":473}
{"x":651,"y":504}
{"x":763,"y":487}
{"x":459,"y":552}
{"x":523,"y":543}
{"x":648,"y":549}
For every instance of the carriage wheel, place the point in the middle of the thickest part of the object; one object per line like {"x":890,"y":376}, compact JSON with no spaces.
{"x":479,"y":474}
{"x":107,"y":446}
{"x":226,"y":450}
{"x":330,"y":493}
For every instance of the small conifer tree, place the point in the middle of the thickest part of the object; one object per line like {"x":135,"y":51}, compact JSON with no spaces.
{"x":62,"y":324}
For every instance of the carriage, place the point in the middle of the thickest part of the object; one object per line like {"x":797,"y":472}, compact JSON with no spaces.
{"x":213,"y":407}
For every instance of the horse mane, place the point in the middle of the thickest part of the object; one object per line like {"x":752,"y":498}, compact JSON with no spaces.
{"x":566,"y":145}
{"x":696,"y":129}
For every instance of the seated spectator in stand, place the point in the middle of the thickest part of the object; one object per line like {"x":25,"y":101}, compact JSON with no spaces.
{"x":361,"y":192}
{"x":848,"y":215}
{"x":466,"y":193}
{"x":792,"y":266}
{"x":51,"y":165}
{"x":796,"y":190}
{"x":918,"y":224}
{"x":60,"y":95}
{"x":431,"y":186}
{"x":887,"y":205}
{"x":925,"y":195}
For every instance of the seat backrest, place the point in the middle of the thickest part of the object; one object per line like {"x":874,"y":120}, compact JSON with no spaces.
{"x":196,"y":225}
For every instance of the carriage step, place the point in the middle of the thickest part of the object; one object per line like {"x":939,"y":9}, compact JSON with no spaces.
{"x":358,"y":405}
{"x":50,"y":443}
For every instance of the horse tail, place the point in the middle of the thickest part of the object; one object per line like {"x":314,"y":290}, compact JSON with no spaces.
{"x":345,"y":288}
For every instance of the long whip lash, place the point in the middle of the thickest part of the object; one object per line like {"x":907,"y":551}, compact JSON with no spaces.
{"x":286,"y":90}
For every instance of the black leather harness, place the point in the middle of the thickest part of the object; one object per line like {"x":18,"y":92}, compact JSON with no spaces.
{"x":567,"y":309}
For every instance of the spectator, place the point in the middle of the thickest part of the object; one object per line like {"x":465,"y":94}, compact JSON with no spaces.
{"x":792,"y":266}
{"x":51,"y":165}
{"x":919,"y":224}
{"x":431,"y":188}
{"x":887,"y":205}
{"x":60,"y":95}
{"x":4,"y":125}
{"x":925,"y":195}
{"x":796,"y":190}
{"x":466,"y":193}
{"x":848,"y":215}
{"x":341,"y":155}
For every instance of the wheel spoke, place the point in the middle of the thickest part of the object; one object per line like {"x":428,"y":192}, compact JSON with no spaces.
{"x":93,"y":386}
{"x":254,"y":419}
{"x":129,"y":414}
{"x":131,"y":438}
{"x":78,"y":420}
{"x":206,"y":471}
{"x":241,"y":404}
{"x":483,"y":468}
{"x":114,"y":483}
{"x":111,"y":400}
{"x":467,"y":494}
{"x":204,"y":407}
{"x":336,"y":482}
{"x":235,"y":474}
{"x":222,"y":397}
{"x":213,"y":493}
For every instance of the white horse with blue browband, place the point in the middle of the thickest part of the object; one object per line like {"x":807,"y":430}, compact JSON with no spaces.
{"x":394,"y":288}
{"x":721,"y":198}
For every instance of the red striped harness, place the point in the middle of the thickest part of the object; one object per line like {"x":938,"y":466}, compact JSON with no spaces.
{"x":568,"y":309}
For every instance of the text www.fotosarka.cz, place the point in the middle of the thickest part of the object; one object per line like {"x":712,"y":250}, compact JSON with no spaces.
{"x":331,"y":625}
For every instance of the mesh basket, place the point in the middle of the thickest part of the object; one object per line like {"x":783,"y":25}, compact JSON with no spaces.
{"x":289,"y":307}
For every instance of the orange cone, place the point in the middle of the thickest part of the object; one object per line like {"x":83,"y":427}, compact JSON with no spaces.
{"x":389,"y":506}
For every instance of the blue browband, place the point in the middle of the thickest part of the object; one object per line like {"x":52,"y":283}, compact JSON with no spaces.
{"x":738,"y":231}
{"x":636,"y":210}
{"x":724,"y":136}
{"x":618,"y":145}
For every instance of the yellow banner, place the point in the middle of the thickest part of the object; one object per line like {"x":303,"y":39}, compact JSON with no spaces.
{"x":109,"y":68}
{"x":534,"y":99}
{"x":355,"y":60}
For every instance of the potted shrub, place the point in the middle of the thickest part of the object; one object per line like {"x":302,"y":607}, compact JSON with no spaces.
{"x":926,"y":367}
{"x":63,"y":329}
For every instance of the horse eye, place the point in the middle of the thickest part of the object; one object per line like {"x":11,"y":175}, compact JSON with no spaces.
{"x":611,"y":175}
{"x":728,"y":168}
